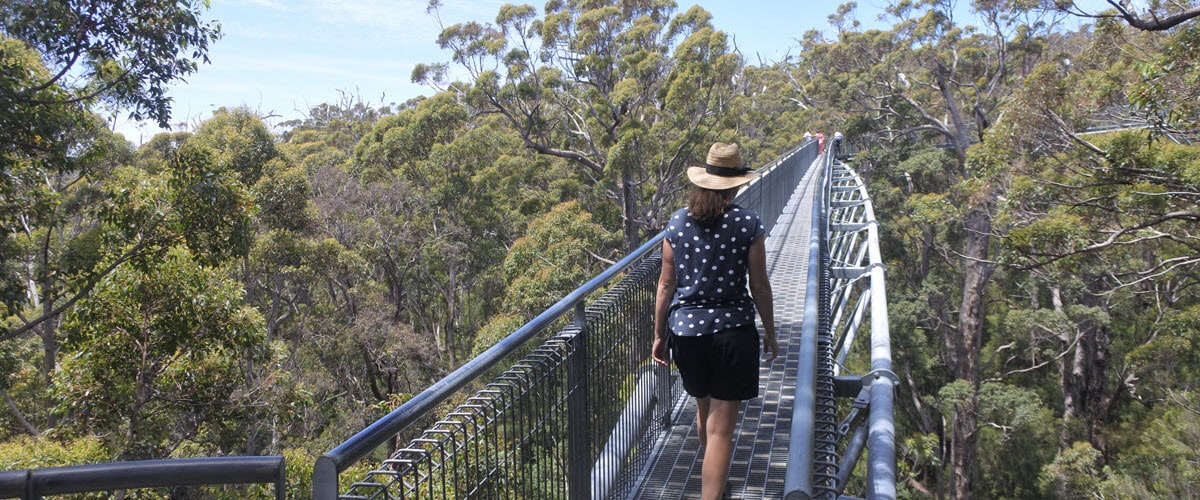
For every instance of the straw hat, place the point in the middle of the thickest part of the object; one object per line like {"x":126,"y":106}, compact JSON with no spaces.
{"x":723,"y":168}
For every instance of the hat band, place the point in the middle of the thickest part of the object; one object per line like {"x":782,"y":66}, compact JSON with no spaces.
{"x":726,"y":171}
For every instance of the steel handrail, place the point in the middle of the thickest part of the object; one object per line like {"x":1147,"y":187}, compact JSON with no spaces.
{"x":846,"y":280}
{"x":35,"y":483}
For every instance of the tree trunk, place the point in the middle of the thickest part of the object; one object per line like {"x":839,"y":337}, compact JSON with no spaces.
{"x":976,"y":273}
{"x":963,"y":452}
{"x":961,"y":138}
{"x":1093,"y":374}
{"x":48,"y":332}
{"x":629,"y":223}
{"x":1084,"y":379}
{"x":452,"y":314}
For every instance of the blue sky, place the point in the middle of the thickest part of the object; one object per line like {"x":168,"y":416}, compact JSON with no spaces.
{"x":282,"y":57}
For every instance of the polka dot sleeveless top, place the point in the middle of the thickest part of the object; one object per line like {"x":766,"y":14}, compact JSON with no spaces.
{"x":710,"y":271}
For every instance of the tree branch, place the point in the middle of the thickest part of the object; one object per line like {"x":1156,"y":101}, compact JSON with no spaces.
{"x":1154,"y":24}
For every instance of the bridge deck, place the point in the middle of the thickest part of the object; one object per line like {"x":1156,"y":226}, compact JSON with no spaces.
{"x":764,"y":432}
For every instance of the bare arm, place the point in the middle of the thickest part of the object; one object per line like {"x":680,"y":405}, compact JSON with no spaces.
{"x":662,"y":302}
{"x":764,"y":301}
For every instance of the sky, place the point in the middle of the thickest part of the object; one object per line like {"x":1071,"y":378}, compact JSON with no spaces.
{"x":282,"y":57}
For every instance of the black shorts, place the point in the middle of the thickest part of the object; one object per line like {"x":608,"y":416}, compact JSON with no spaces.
{"x":723,"y":365}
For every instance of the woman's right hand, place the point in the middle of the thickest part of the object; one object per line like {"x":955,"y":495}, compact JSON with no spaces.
{"x":770,"y":347}
{"x":662,"y":355}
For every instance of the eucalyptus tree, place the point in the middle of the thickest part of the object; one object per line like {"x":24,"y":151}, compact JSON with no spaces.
{"x":553,"y":258}
{"x":63,"y":60}
{"x":53,"y":152}
{"x":121,"y":54}
{"x":1102,"y":227}
{"x":339,"y":125}
{"x":460,"y":186}
{"x":159,"y":358}
{"x":240,"y":140}
{"x":625,"y":91}
{"x":56,"y":244}
{"x":769,"y":119}
{"x":119,"y":216}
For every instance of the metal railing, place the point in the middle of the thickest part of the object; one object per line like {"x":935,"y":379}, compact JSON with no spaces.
{"x":845,"y":296}
{"x":574,"y":418}
{"x":33,"y":484}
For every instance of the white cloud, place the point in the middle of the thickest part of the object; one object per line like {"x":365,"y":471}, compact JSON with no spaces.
{"x":389,"y":15}
{"x":270,"y":4}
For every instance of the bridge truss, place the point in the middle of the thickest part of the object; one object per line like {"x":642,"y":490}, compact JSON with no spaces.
{"x":845,"y":389}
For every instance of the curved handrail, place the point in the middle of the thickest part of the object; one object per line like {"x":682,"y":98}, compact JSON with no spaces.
{"x":798,"y":478}
{"x":846,"y":282}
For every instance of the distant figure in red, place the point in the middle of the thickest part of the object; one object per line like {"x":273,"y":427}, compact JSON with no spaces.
{"x":820,"y":142}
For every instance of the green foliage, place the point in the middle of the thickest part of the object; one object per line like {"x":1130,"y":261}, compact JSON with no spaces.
{"x":1075,"y":473}
{"x":39,"y":145}
{"x":917,"y":453}
{"x":155,"y":155}
{"x":497,"y":328}
{"x":240,"y":141}
{"x":407,"y":137}
{"x":625,"y":92}
{"x":124,"y":54}
{"x":1163,"y":464}
{"x":1003,"y":405}
{"x":283,"y":197}
{"x":1167,"y":93}
{"x":553,"y":258}
{"x":1169,"y":360}
{"x":766,"y":115}
{"x":1060,"y":232}
{"x":154,"y":358}
{"x":1007,"y":478}
{"x":332,"y":129}
{"x":39,"y":452}
{"x":931,"y":209}
{"x":212,"y":206}
{"x":926,"y":171}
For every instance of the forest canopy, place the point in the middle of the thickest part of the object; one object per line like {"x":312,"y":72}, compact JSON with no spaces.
{"x":248,"y":287}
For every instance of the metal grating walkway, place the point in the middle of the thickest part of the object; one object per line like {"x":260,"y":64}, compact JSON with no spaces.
{"x":764,"y":432}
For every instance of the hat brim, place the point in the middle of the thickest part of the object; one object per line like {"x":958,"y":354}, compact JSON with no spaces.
{"x":700,"y":177}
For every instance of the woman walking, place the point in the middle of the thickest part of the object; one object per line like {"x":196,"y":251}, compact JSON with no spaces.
{"x":704,"y":313}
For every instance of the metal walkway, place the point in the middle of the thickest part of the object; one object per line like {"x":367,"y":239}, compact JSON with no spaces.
{"x":764,"y":431}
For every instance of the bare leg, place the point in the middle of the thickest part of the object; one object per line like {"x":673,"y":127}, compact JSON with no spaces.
{"x":702,"y":421}
{"x":722,"y":417}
